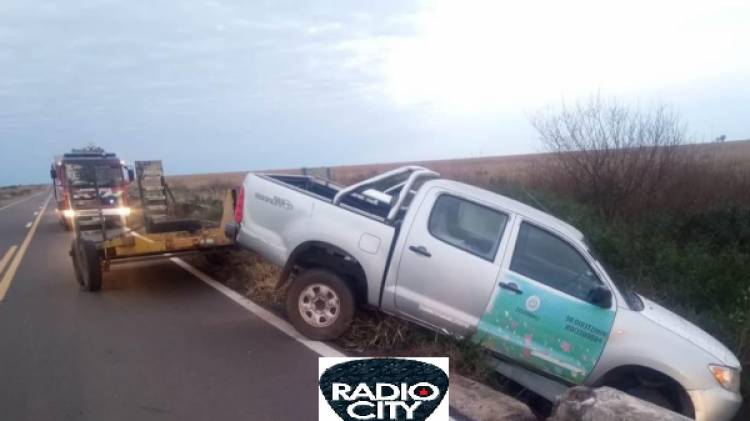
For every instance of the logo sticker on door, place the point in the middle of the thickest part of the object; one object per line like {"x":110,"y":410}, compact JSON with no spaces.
{"x":533,"y":303}
{"x":545,"y":329}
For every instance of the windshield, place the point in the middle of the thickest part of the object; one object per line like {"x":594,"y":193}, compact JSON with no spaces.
{"x":93,"y":174}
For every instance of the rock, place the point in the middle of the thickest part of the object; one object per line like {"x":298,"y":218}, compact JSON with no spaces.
{"x":582,"y":403}
{"x":483,"y":403}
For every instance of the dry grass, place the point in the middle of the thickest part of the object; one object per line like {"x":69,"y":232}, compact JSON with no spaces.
{"x":482,"y":170}
{"x":200,"y":201}
{"x":248,"y":274}
{"x":204,"y":202}
{"x":10,"y":194}
{"x":375,"y":332}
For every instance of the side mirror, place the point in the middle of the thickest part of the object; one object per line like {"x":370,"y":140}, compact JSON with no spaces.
{"x":53,"y":173}
{"x":131,"y":175}
{"x":600,"y":297}
{"x":234,"y":198}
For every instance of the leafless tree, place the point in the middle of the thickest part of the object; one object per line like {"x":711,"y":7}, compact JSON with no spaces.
{"x":610,"y":154}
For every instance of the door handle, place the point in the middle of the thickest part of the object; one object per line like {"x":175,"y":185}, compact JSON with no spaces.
{"x":420,"y":250}
{"x":510,"y":286}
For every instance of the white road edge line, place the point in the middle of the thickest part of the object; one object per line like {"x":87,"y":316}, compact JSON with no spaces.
{"x":28,"y":224}
{"x":8,"y":278}
{"x":320,"y":348}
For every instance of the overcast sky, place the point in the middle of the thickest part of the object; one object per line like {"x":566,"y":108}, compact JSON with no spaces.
{"x":221,"y":85}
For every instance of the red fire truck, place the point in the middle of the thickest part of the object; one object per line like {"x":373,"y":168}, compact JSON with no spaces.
{"x":91,"y":188}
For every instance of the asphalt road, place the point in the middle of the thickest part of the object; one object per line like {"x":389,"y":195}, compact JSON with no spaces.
{"x":156,"y":343}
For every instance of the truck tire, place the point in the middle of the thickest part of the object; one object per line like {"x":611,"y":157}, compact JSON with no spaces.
{"x":88,"y":265}
{"x":320,"y":304}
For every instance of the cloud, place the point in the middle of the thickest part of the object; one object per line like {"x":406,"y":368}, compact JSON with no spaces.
{"x":488,"y":55}
{"x":150,"y":77}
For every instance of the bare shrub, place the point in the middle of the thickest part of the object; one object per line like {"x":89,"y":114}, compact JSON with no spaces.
{"x":611,"y":155}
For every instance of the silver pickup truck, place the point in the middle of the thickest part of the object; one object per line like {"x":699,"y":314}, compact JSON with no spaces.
{"x":470,"y":263}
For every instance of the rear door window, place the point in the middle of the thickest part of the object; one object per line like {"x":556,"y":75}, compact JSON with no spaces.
{"x":467,"y":225}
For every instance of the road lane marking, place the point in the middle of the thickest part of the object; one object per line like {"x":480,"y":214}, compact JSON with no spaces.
{"x":318,"y":347}
{"x":6,"y":258}
{"x":21,"y":200}
{"x":8,"y":278}
{"x":28,"y":224}
{"x":36,"y":213}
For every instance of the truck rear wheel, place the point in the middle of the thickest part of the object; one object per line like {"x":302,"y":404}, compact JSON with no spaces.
{"x":320,"y":304}
{"x":87,"y":264}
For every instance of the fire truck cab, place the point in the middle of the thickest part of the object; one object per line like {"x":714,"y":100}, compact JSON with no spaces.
{"x":90,"y":188}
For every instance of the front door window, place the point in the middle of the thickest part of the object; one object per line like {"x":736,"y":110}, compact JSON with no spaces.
{"x":545,"y":258}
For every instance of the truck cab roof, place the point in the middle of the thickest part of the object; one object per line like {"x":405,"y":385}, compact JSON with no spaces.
{"x":394,"y":190}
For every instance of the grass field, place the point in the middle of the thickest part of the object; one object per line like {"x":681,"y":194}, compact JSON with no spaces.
{"x":479,"y":170}
{"x":10,"y":194}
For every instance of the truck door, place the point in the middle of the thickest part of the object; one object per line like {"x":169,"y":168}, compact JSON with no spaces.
{"x":550,"y":311}
{"x":448,"y":267}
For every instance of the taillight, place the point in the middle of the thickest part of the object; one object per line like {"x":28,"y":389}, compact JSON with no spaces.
{"x":239,"y":206}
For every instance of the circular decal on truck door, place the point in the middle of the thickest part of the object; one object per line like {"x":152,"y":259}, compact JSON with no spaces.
{"x":533,"y":303}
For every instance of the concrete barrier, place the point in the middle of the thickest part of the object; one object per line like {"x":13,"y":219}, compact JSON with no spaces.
{"x":606,"y":404}
{"x":483,"y":403}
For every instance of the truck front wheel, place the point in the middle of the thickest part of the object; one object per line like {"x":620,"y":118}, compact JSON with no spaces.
{"x":320,"y":304}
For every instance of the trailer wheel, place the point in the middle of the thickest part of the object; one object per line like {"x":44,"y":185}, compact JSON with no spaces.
{"x":320,"y":304}
{"x":88,"y":265}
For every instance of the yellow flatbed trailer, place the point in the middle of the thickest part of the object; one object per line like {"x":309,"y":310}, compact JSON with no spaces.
{"x":95,"y":255}
{"x":132,"y":244}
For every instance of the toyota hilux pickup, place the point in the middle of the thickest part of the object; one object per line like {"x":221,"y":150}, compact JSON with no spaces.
{"x":473,"y":264}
